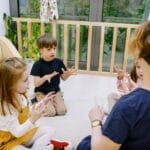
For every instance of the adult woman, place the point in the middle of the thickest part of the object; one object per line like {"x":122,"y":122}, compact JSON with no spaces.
{"x":128,"y":124}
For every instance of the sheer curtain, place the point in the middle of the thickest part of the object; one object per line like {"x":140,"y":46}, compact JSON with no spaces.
{"x":48,"y":10}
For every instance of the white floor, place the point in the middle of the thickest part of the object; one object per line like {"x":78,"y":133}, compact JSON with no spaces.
{"x":81,"y":92}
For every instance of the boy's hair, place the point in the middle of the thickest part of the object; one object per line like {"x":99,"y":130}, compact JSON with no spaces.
{"x":46,"y":41}
{"x":141,"y":41}
{"x":11,"y":70}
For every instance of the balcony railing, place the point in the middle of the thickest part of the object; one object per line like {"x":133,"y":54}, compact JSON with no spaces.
{"x":115,"y":27}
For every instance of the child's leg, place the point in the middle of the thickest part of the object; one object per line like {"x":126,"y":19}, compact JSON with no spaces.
{"x":50,"y":109}
{"x":41,"y":139}
{"x":59,"y":104}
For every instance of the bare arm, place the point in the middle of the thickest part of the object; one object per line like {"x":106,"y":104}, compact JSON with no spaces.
{"x":38,"y":81}
{"x":99,"y":141}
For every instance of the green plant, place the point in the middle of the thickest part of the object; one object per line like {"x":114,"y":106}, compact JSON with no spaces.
{"x":11,"y":30}
{"x":30,"y":49}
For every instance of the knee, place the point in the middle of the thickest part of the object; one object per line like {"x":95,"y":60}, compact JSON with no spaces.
{"x":62,"y":111}
{"x":50,"y":113}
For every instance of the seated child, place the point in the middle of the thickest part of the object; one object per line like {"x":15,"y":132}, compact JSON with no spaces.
{"x":18,"y":128}
{"x":47,"y":72}
{"x":17,"y":123}
{"x":125,"y":83}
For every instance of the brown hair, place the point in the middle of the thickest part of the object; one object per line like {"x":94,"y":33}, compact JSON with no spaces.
{"x":46,"y":41}
{"x":133,"y":74}
{"x":141,"y":41}
{"x":11,"y":71}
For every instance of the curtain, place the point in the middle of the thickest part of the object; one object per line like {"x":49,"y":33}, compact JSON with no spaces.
{"x":48,"y":10}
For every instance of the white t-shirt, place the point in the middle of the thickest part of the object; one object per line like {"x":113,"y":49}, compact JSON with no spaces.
{"x":11,"y":123}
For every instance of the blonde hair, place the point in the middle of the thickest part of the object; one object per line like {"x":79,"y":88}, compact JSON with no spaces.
{"x":11,"y":71}
{"x":141,"y":41}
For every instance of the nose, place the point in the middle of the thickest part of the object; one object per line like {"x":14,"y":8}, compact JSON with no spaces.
{"x":53,"y":50}
{"x":141,"y":70}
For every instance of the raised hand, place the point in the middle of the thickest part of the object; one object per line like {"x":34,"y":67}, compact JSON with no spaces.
{"x":96,"y":113}
{"x":48,"y":97}
{"x":36,"y":112}
{"x":120,"y":72}
{"x":69,"y":72}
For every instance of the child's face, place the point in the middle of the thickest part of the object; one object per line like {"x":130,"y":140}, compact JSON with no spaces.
{"x":23,"y":83}
{"x":48,"y":54}
{"x":139,"y":71}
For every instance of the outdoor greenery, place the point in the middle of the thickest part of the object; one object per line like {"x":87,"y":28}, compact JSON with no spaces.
{"x":129,"y":11}
{"x":10,"y":27}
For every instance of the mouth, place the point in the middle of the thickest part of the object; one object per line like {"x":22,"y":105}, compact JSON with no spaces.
{"x":141,"y":76}
{"x":52,"y":56}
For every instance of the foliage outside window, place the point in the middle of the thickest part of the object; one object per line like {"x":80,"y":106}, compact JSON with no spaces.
{"x":127,"y":11}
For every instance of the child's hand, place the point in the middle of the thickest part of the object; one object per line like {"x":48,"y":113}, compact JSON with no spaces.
{"x":71,"y":71}
{"x":48,"y":77}
{"x":48,"y":97}
{"x":120,"y":72}
{"x":67,"y":73}
{"x":36,"y":112}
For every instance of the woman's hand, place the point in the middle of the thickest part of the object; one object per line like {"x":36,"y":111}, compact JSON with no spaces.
{"x":96,"y":113}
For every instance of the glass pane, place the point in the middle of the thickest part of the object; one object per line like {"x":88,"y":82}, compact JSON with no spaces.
{"x":128,"y":11}
{"x":29,"y":8}
{"x":73,"y":9}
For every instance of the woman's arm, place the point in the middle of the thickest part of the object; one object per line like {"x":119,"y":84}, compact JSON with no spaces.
{"x":99,"y":141}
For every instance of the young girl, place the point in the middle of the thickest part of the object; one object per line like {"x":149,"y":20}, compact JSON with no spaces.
{"x":125,"y":83}
{"x":17,"y":122}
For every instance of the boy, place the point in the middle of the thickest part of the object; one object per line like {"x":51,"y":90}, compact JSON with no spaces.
{"x":47,"y":72}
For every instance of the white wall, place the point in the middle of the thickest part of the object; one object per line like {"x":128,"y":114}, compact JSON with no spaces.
{"x":4,"y":8}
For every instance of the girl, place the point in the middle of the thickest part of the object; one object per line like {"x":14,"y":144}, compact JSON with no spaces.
{"x":17,"y":123}
{"x":125,"y":83}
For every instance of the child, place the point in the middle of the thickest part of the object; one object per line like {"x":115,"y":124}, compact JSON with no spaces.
{"x":17,"y":122}
{"x":47,"y":72}
{"x":125,"y":83}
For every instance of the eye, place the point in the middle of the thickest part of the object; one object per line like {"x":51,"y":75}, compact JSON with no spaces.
{"x":138,"y":67}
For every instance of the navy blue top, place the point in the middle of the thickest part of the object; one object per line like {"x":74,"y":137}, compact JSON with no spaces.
{"x":41,"y":68}
{"x":129,"y":121}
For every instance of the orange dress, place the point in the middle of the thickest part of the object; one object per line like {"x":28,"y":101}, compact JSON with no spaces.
{"x":8,"y":141}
